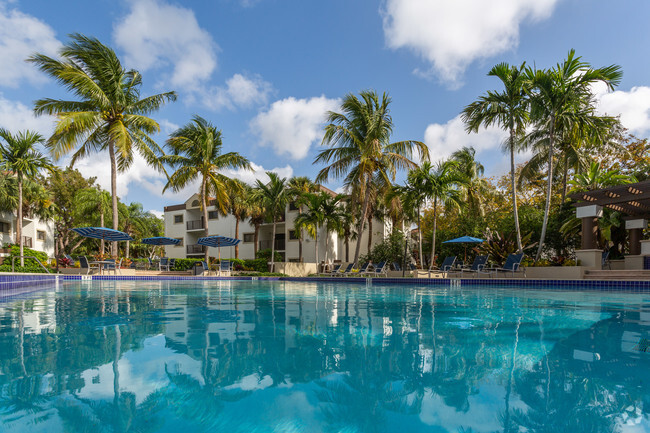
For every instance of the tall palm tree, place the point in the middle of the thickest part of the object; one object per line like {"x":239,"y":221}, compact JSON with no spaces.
{"x":509,"y":110}
{"x":298,"y":187}
{"x":134,"y":220}
{"x":562,"y":100}
{"x":196,"y":154}
{"x":19,"y":156}
{"x":475,"y":186}
{"x":256,"y":216}
{"x":275,"y":196}
{"x":334,"y":216}
{"x":361,"y":151}
{"x":414,"y":196}
{"x":240,"y":194}
{"x":109,"y":113}
{"x":441,"y":183}
{"x":313,"y":217}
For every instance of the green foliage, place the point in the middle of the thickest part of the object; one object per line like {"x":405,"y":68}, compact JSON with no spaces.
{"x":14,"y":251}
{"x":260,"y":274}
{"x":390,"y":250}
{"x":259,"y":264}
{"x":266,"y":255}
{"x":499,"y":247}
{"x":32,"y":269}
{"x":184,"y":264}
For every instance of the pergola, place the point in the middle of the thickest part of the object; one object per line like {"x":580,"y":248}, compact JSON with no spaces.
{"x":631,"y":199}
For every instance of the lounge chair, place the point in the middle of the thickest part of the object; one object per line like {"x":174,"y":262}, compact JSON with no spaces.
{"x":445,"y":267}
{"x":396,"y":266}
{"x":605,"y":261}
{"x":512,"y":265}
{"x":205,"y":267}
{"x":333,"y":272}
{"x":362,"y":270}
{"x":379,"y":270}
{"x":344,"y":272}
{"x":172,"y":263}
{"x":225,"y":267}
{"x":164,"y":265}
{"x":477,"y":266}
{"x":85,"y":264}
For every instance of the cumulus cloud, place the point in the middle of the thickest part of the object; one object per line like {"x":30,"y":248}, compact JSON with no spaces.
{"x":632,"y":106}
{"x":290,"y":126}
{"x":239,"y":92}
{"x":258,"y":173}
{"x":20,"y":36}
{"x":155,"y":34}
{"x":16,"y":116}
{"x":452,"y":34}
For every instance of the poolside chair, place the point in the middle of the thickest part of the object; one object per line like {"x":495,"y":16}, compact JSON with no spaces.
{"x":379,"y":270}
{"x":344,"y":272}
{"x":172,"y":263}
{"x":164,"y":265}
{"x":412,"y":267}
{"x":512,"y":265}
{"x":605,"y":261}
{"x":225,"y":267}
{"x":115,"y":266}
{"x":396,"y":266}
{"x":335,"y":270}
{"x":477,"y":266}
{"x":362,"y":270}
{"x":204,"y":267}
{"x":84,"y":264}
{"x":445,"y":267}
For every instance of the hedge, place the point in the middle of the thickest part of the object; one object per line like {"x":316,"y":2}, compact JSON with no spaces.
{"x":26,"y":269}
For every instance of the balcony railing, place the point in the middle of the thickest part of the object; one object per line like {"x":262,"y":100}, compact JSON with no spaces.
{"x":195,"y":249}
{"x":279,"y":245}
{"x":195,"y":225}
{"x":27,"y":241}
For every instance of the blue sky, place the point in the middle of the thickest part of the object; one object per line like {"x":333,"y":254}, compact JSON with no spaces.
{"x":266,"y":71}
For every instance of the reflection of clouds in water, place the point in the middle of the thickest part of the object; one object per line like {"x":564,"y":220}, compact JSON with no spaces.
{"x":142,"y":372}
{"x":251,"y":382}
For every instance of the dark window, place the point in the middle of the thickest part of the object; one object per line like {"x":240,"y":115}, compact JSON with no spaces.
{"x":213,"y":214}
{"x":4,"y":227}
{"x":180,"y":244}
{"x":195,"y":203}
{"x":178,"y":219}
{"x":292,"y":206}
{"x":249,"y":237}
{"x":40,"y":235}
{"x":293,"y":236}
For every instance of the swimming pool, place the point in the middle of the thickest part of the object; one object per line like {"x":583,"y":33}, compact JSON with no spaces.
{"x":237,"y":356}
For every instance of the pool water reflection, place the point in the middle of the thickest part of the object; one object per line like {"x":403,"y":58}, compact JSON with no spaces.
{"x":296,"y":357}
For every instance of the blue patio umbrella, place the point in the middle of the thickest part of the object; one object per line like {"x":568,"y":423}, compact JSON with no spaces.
{"x":160,"y":240}
{"x":464,"y":240}
{"x":103,"y":233}
{"x":218,"y":242}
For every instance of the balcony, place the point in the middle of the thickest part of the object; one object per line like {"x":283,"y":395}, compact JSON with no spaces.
{"x":27,"y":241}
{"x":279,"y":245}
{"x":195,"y":249}
{"x":195,"y":225}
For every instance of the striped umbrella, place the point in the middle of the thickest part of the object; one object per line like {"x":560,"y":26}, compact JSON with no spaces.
{"x":161,"y":240}
{"x":218,"y":242}
{"x":103,"y":233}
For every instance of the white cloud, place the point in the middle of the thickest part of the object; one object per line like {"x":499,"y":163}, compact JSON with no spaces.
{"x":239,"y":92}
{"x":15,"y":116}
{"x":167,"y":127}
{"x":292,"y":125}
{"x":258,"y":173}
{"x":156,"y":34}
{"x":20,"y":36}
{"x":632,"y":106}
{"x":452,"y":34}
{"x":157,"y":212}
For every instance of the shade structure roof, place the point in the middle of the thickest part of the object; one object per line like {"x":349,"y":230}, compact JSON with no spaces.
{"x":464,"y":240}
{"x":102,"y":233}
{"x":161,"y":240}
{"x":218,"y":241}
{"x":631,"y":199}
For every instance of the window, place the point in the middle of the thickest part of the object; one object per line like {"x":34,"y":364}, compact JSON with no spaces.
{"x":195,"y":203}
{"x":249,"y":237}
{"x":180,"y":244}
{"x":178,"y":219}
{"x":213,"y":214}
{"x":4,"y":227}
{"x":293,"y":236}
{"x":292,"y":206}
{"x":40,"y":235}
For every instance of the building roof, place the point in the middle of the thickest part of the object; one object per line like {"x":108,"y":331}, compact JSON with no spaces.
{"x":632,"y":199}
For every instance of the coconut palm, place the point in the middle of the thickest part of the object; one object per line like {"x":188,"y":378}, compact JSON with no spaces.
{"x":298,"y":187}
{"x":334,"y":216}
{"x":275,"y":196}
{"x":562,"y":100}
{"x":93,"y":202}
{"x":414,"y":196}
{"x":19,"y":156}
{"x":196,"y":154}
{"x":597,"y":178}
{"x":507,"y":109}
{"x":475,"y":186}
{"x":109,"y":113}
{"x":134,"y":220}
{"x":240,"y":207}
{"x":360,"y":148}
{"x":257,"y":216}
{"x":313,"y":217}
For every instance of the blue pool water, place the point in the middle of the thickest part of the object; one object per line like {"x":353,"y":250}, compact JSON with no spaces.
{"x":300,"y":357}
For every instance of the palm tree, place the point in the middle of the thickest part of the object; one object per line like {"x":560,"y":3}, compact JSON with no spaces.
{"x":561,"y":101}
{"x":312,"y":219}
{"x":597,"y":178}
{"x":109,"y":115}
{"x":507,"y":109}
{"x":414,"y":196}
{"x":275,"y":196}
{"x":18,"y":155}
{"x":360,"y":148}
{"x":240,"y":194}
{"x":257,"y":216}
{"x":298,"y":187}
{"x":134,"y":220}
{"x":334,"y":216}
{"x":441,"y":185}
{"x":475,"y":186}
{"x":93,"y":202}
{"x":196,"y":153}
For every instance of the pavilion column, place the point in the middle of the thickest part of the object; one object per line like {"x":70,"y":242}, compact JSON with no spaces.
{"x":589,"y":231}
{"x":634,"y":260}
{"x":589,"y":255}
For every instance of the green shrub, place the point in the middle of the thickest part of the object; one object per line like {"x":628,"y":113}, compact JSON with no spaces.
{"x":390,"y":250}
{"x":184,"y":264}
{"x":26,"y":269}
{"x":15,"y":252}
{"x":266,"y":255}
{"x":257,"y":265}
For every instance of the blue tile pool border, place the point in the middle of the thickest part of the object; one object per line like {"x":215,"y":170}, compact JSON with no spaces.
{"x":36,"y":281}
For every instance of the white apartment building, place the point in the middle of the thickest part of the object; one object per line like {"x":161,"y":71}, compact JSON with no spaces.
{"x":185,"y":222}
{"x":37,"y":235}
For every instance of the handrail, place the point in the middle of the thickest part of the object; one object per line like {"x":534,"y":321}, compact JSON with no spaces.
{"x":13,"y":260}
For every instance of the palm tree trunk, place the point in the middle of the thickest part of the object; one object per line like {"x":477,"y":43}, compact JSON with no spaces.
{"x":316,"y":243}
{"x":102,"y":245}
{"x":111,"y":152}
{"x":362,"y":220}
{"x":128,"y":249}
{"x":300,"y":237}
{"x":347,"y":248}
{"x":19,"y":221}
{"x":515,"y":211}
{"x":549,"y":188}
{"x":435,"y":227}
{"x":420,"y":239}
{"x":327,"y":241}
{"x":273,"y":247}
{"x":204,"y":203}
{"x":256,"y":238}
{"x":369,"y":234}
{"x":565,"y":179}
{"x":237,"y":237}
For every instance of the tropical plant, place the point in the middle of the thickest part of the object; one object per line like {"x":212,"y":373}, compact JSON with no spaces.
{"x":275,"y":197}
{"x":474,"y":185}
{"x":500,"y":245}
{"x":360,"y":150}
{"x":299,"y":186}
{"x":509,"y":110}
{"x":334,"y":216}
{"x":313,"y":218}
{"x":240,"y":207}
{"x":109,"y":113}
{"x":562,"y":101}
{"x":196,"y":153}
{"x":597,"y":178}
{"x":19,"y":156}
{"x":94,"y":202}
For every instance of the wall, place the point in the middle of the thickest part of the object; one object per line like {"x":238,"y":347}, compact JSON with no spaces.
{"x":31,"y":226}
